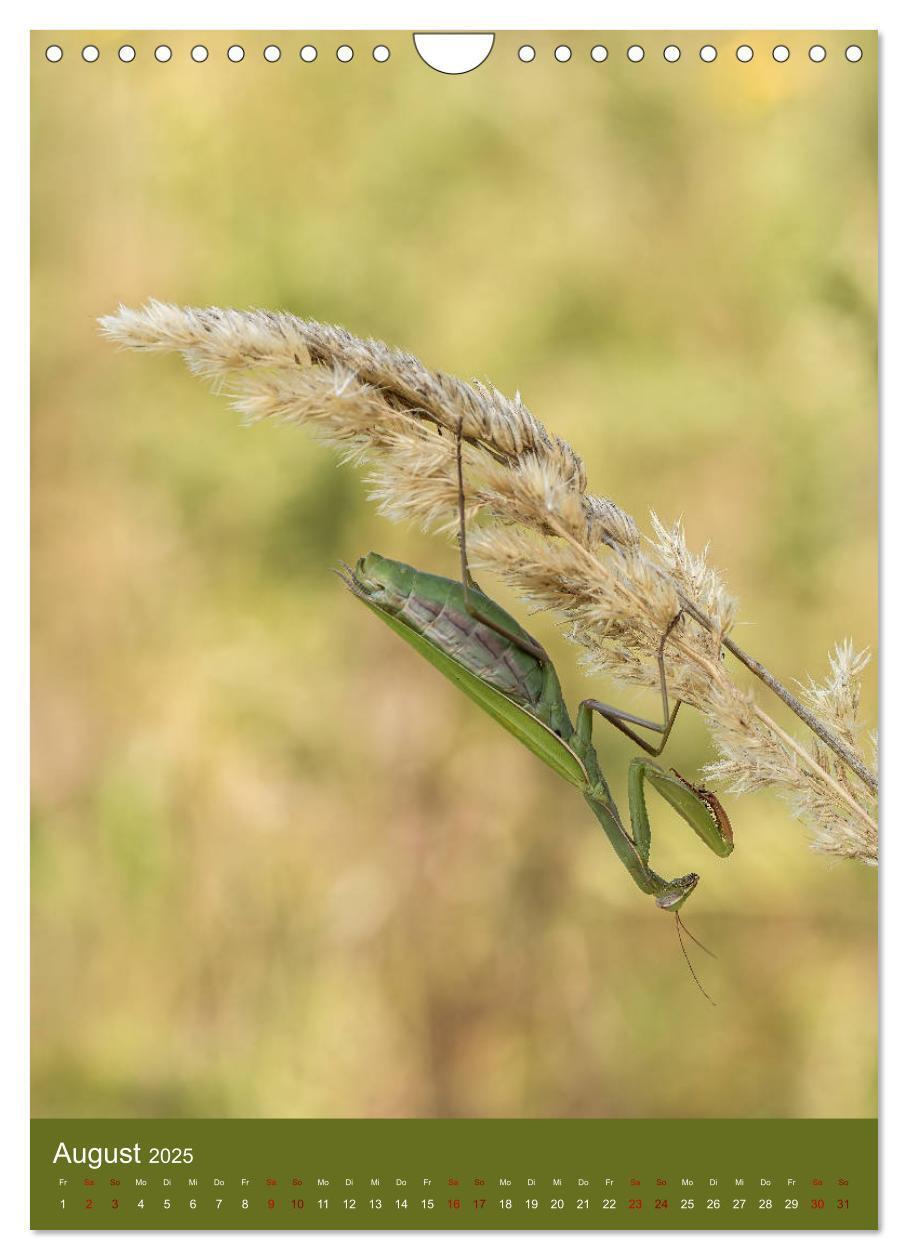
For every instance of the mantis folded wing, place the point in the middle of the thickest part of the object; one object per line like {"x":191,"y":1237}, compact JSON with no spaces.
{"x":486,"y":653}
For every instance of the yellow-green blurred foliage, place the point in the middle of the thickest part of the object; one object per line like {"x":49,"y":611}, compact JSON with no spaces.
{"x":280,"y":866}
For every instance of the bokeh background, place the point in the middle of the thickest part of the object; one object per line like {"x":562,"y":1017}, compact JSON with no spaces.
{"x":281,"y":867}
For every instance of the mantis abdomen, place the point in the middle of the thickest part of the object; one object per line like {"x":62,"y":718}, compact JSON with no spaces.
{"x":435,"y":609}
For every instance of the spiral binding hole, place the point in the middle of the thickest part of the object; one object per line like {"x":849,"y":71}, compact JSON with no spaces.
{"x":562,"y":53}
{"x":308,"y":52}
{"x":635,"y":53}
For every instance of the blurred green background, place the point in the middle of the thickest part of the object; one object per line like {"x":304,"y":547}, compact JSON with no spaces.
{"x":282,"y":868}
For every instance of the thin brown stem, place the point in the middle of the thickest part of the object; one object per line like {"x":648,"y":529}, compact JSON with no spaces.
{"x":820,"y":729}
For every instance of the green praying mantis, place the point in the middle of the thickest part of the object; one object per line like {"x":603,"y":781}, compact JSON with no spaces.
{"x":485,"y":652}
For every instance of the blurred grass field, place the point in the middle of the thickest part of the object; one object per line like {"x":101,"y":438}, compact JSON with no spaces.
{"x":280,"y":867}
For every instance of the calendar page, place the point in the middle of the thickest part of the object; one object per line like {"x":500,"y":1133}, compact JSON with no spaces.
{"x":454,"y":654}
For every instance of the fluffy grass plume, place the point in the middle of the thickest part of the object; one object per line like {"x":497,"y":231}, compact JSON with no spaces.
{"x":562,"y":548}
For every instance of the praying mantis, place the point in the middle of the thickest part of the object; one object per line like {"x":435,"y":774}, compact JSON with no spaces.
{"x":485,"y":652}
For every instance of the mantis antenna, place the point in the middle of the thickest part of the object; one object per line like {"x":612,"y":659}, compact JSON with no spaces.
{"x":680,"y":925}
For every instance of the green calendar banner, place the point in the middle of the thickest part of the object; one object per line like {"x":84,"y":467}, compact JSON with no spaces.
{"x":454,"y":1174}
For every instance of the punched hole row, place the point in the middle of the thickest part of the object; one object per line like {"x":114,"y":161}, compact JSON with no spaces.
{"x":526,"y":53}
{"x":708,"y":53}
{"x":200,"y":53}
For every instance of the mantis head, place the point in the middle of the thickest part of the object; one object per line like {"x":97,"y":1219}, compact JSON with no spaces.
{"x":677,"y":892}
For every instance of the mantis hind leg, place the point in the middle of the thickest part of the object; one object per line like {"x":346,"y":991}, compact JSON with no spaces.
{"x":524,"y":642}
{"x":621,"y":719}
{"x":465,"y":575}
